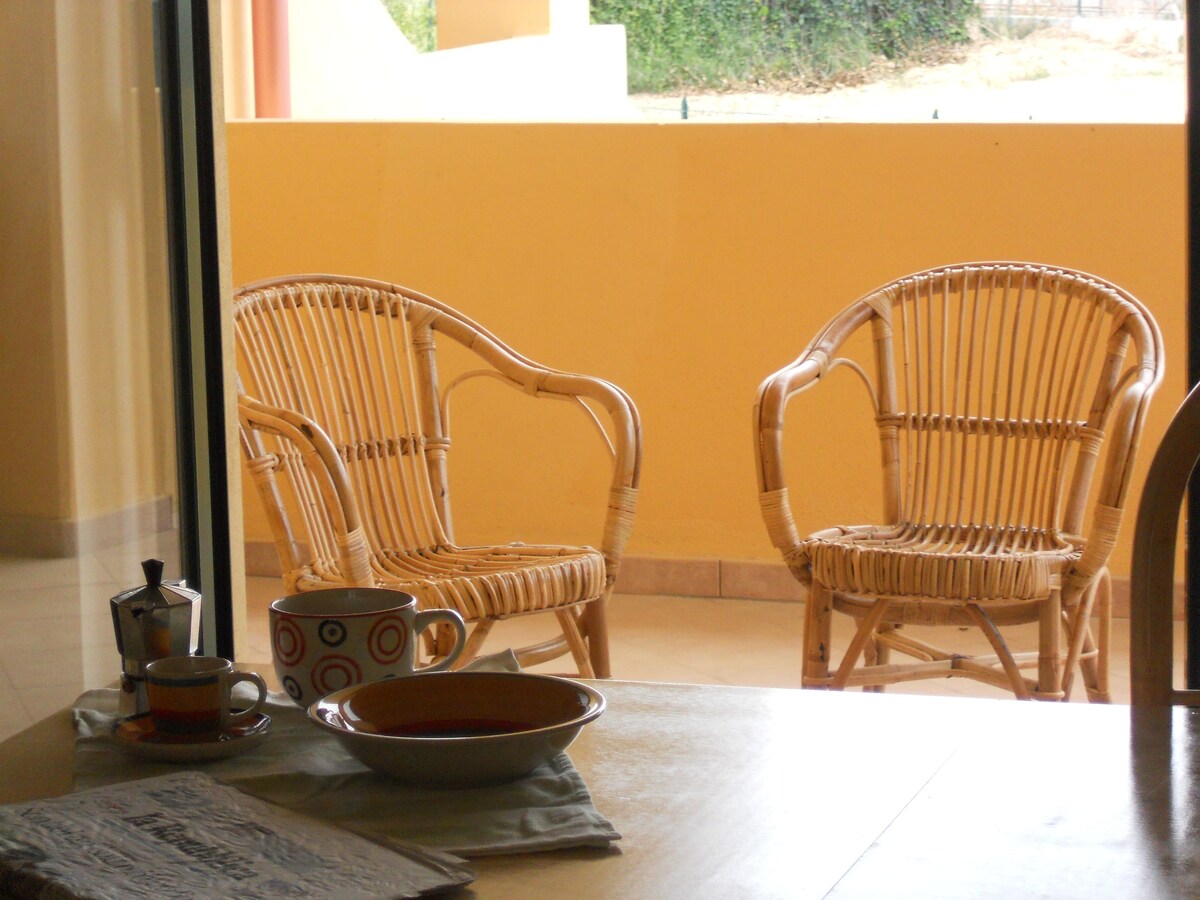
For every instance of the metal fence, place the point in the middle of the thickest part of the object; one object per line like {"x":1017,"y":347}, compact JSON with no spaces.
{"x":1069,"y":9}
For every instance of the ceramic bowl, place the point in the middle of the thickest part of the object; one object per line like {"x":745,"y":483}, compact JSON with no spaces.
{"x":458,"y":729}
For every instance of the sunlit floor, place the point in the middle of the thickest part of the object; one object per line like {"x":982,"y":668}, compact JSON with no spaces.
{"x":723,"y":641}
{"x":56,"y":636}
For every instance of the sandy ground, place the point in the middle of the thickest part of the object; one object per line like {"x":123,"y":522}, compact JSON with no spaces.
{"x":1083,"y":71}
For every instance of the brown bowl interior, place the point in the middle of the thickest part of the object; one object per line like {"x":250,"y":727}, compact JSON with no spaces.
{"x":460,"y":704}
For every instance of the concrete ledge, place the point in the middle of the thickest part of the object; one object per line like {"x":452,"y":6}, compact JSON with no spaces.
{"x":682,"y":577}
{"x":742,"y":579}
{"x":262,"y":560}
{"x":757,"y":579}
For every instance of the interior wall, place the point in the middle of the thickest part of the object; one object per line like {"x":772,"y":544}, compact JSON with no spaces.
{"x":31,"y":295}
{"x":85,"y":333}
{"x":117,"y":348}
{"x":685,"y":263}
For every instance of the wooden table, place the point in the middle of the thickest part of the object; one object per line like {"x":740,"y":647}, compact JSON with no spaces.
{"x":745,"y":792}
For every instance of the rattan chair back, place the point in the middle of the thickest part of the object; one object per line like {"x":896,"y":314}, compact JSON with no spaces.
{"x":995,"y":387}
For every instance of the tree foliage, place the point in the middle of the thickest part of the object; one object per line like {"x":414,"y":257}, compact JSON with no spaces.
{"x":677,"y":44}
{"x":416,"y":20}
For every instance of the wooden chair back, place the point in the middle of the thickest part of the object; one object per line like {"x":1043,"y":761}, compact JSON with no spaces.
{"x":1152,"y":579}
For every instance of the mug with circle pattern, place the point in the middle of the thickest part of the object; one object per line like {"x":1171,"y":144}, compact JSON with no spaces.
{"x":322,"y":641}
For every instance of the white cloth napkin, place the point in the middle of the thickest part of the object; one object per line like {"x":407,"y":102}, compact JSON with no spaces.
{"x":303,"y":768}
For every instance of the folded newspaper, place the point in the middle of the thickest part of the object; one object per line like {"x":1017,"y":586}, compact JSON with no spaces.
{"x":186,"y":835}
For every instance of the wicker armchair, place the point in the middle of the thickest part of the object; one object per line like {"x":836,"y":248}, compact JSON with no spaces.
{"x":345,"y":431}
{"x":994,"y":387}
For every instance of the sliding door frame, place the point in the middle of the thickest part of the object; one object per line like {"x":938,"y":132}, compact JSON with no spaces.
{"x":182,"y":37}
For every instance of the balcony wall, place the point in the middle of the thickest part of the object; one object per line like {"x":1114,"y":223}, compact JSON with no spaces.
{"x":685,"y":262}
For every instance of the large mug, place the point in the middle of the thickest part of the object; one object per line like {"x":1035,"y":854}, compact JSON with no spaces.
{"x":322,"y":641}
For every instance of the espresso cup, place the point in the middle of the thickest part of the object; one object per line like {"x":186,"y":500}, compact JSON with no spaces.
{"x":190,"y":697}
{"x":323,"y":641}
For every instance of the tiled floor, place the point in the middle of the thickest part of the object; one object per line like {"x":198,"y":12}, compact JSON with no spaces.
{"x":56,"y":631}
{"x":711,"y":641}
{"x":56,"y":637}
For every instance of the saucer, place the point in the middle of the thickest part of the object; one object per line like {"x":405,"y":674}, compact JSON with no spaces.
{"x":139,"y":737}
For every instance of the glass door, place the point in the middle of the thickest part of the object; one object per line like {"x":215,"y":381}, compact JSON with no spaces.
{"x":107,"y":302}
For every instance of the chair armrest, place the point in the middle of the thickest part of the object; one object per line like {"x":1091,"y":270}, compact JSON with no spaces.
{"x":625,"y":444}
{"x":774,"y":502}
{"x":1124,"y":433}
{"x":537,"y":380}
{"x":321,"y":460}
{"x":779,"y":388}
{"x":624,"y":441}
{"x":769,"y":407}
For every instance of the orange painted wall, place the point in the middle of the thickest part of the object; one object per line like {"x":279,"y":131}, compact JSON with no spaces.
{"x":685,"y":263}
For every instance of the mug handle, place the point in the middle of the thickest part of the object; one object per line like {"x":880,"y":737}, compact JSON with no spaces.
{"x":428,"y":617}
{"x":236,"y":718}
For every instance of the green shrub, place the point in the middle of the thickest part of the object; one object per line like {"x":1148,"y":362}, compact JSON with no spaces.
{"x":677,"y":44}
{"x":898,"y":27}
{"x":417,"y":21}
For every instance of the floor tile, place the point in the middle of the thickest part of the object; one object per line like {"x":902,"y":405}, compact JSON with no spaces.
{"x":31,"y":604}
{"x":18,"y":573}
{"x":85,"y":667}
{"x":123,"y":562}
{"x":42,"y":700}
{"x":15,"y":717}
{"x":56,"y":635}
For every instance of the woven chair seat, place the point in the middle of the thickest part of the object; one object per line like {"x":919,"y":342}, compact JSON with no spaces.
{"x":926,"y":563}
{"x":496,"y":582}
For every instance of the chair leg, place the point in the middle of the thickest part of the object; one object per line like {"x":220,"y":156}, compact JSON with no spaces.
{"x":579,"y":648}
{"x":1000,"y":647}
{"x":818,"y":631}
{"x":1049,"y":685}
{"x":1075,"y":624}
{"x":877,"y":653}
{"x":474,"y":642}
{"x":864,"y":635}
{"x":594,"y":627}
{"x":1102,"y":692}
{"x":883,"y":653}
{"x":430,"y":642}
{"x":1094,"y":659}
{"x":444,"y":638}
